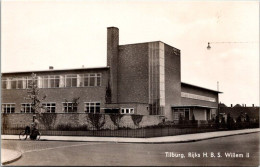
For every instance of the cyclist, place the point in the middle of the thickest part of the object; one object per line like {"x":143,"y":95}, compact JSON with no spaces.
{"x":34,"y":126}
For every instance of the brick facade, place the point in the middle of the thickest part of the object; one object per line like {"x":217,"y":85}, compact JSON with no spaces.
{"x":142,"y":76}
{"x":79,"y":119}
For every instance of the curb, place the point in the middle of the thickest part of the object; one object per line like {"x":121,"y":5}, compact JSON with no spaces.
{"x":150,"y":142}
{"x":190,"y":141}
{"x":13,"y":159}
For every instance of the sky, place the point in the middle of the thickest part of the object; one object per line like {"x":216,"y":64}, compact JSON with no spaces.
{"x":69,"y":34}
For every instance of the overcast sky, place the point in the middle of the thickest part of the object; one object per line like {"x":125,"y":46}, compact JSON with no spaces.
{"x":69,"y":34}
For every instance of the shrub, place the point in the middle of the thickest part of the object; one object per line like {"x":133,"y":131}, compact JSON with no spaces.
{"x":137,"y":119}
{"x":69,"y":127}
{"x":96,"y":120}
{"x":116,"y":119}
{"x":48,"y":120}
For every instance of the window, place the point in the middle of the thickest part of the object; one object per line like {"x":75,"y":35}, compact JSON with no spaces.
{"x":19,"y":83}
{"x":98,"y":79}
{"x":8,"y":108}
{"x":45,"y":83}
{"x":92,"y":79}
{"x":86,"y":80}
{"x":13,"y":83}
{"x":70,"y":107}
{"x":71,"y":80}
{"x":4,"y":83}
{"x":92,"y":107}
{"x":49,"y":107}
{"x":127,"y":111}
{"x":29,"y":82}
{"x":183,"y":112}
{"x":53,"y":81}
{"x":26,"y":108}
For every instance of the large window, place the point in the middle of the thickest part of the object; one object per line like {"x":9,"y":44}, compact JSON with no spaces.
{"x":127,"y":111}
{"x":8,"y":108}
{"x":92,"y":79}
{"x":71,"y":80}
{"x":70,"y":107}
{"x":26,"y":108}
{"x":54,"y":81}
{"x":92,"y":107}
{"x":49,"y":107}
{"x":181,"y":112}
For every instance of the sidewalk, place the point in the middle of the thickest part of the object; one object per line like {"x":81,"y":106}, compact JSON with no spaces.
{"x":8,"y":156}
{"x":165,"y":139}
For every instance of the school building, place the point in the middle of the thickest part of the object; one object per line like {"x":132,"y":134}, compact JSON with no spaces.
{"x":141,"y":78}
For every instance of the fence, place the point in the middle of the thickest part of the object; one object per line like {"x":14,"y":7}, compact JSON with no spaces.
{"x":128,"y":131}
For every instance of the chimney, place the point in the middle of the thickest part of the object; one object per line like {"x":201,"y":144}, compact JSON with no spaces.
{"x":50,"y":67}
{"x":231,"y":105}
{"x":112,"y":59}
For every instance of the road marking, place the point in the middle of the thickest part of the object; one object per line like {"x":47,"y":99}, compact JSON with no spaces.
{"x":76,"y":145}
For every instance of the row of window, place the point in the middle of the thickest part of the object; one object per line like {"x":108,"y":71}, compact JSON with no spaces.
{"x":68,"y":107}
{"x":197,"y":97}
{"x":54,"y":81}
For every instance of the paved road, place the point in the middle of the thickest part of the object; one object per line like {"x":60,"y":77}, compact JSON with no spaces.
{"x":99,"y":153}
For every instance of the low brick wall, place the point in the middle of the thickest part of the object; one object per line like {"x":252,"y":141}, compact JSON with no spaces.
{"x":78,"y":119}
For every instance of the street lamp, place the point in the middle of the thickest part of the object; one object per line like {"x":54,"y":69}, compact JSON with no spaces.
{"x":208,"y":46}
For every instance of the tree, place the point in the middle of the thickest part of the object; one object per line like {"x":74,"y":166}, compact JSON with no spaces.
{"x":229,"y":121}
{"x":96,"y":120}
{"x":48,"y":120}
{"x":116,"y":119}
{"x":33,"y":96}
{"x":137,"y":119}
{"x":217,"y":121}
{"x":247,"y":118}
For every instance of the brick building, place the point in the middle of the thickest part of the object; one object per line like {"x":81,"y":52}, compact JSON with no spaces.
{"x":142,"y":78}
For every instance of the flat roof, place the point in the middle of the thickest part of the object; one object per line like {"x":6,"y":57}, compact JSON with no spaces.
{"x":183,"y":83}
{"x":150,"y":42}
{"x":196,"y":106}
{"x":50,"y":70}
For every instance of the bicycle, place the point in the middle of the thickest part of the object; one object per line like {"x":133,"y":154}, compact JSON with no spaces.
{"x":34,"y":134}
